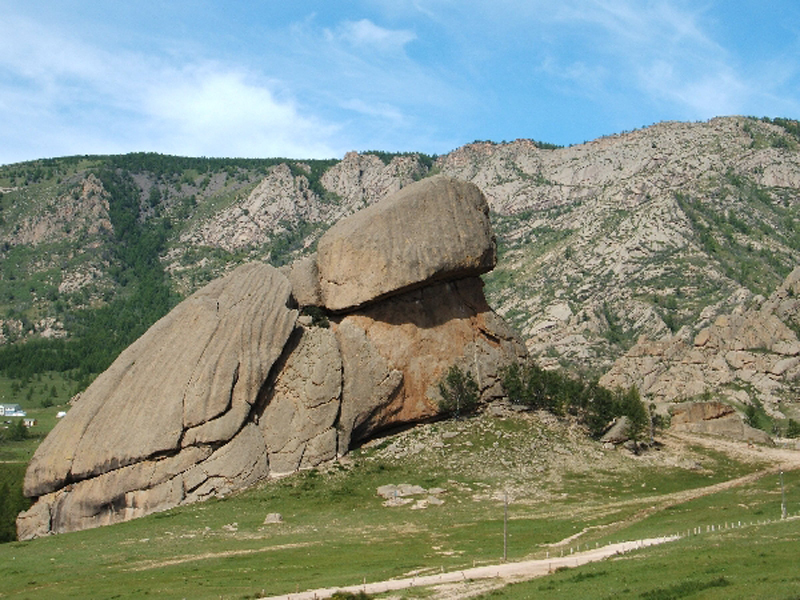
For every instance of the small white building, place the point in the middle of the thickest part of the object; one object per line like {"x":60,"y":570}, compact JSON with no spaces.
{"x":12,"y":410}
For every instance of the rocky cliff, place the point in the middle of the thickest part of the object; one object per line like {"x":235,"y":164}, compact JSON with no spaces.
{"x":232,"y":386}
{"x":751,"y":355}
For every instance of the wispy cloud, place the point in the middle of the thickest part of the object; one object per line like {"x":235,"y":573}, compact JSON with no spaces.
{"x":660,"y":53}
{"x":244,"y":79}
{"x":666,"y":52}
{"x":366,"y":34}
{"x":196,"y":107}
{"x":364,"y":72}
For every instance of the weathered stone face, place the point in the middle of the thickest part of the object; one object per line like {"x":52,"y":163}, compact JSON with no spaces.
{"x":187,"y":384}
{"x":298,"y":421}
{"x":433,"y":230}
{"x":714,"y":418}
{"x":753,"y":347}
{"x":395,"y":352}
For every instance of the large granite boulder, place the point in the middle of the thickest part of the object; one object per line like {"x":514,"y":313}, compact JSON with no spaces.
{"x":232,"y":387}
{"x":432,"y":230}
{"x":302,"y":404}
{"x":185,"y":387}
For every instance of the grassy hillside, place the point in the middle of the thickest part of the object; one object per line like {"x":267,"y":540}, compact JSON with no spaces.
{"x":565,"y":493}
{"x":653,"y":232}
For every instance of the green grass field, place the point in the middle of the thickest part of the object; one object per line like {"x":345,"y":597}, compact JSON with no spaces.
{"x":748,"y":563}
{"x":336,"y":531}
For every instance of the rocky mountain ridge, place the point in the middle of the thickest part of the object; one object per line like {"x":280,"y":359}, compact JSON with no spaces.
{"x":657,"y":232}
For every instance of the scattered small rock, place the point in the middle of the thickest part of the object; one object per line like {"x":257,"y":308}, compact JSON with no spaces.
{"x":395,"y":502}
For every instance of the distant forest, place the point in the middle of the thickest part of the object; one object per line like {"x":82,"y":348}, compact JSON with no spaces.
{"x":98,"y":335}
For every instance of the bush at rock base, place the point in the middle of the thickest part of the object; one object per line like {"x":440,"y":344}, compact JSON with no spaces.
{"x":350,"y":596}
{"x":595,"y":406}
{"x":459,"y":392}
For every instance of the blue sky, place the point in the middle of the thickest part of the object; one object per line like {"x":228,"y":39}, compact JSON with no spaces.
{"x":315,"y":79}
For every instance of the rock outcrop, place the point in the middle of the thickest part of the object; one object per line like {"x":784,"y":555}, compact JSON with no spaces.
{"x":749,"y":355}
{"x":396,"y":351}
{"x":167,"y":419}
{"x":397,"y":246}
{"x":715,"y":418}
{"x":232,"y":387}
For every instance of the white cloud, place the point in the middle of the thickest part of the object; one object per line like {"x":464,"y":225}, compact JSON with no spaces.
{"x":213,"y":110}
{"x":718,"y":92}
{"x":59,"y":95}
{"x":386,"y":112}
{"x":366,"y":34}
{"x":389,"y":74}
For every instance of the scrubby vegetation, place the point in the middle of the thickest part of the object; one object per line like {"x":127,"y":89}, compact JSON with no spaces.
{"x":12,"y":501}
{"x":561,"y":393}
{"x":459,"y":392}
{"x":350,"y":596}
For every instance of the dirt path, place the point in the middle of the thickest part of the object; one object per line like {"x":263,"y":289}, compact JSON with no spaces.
{"x":779,"y":457}
{"x":508,"y":571}
{"x":773,"y":460}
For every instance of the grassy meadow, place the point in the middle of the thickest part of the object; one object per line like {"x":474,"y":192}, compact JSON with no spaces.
{"x":566,"y":493}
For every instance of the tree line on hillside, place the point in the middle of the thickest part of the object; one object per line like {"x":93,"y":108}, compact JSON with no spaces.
{"x":560,"y":393}
{"x":98,"y":335}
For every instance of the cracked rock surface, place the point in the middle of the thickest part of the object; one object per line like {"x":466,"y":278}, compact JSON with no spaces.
{"x":176,"y":396}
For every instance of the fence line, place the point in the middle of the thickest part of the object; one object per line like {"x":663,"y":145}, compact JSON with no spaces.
{"x":529,"y":568}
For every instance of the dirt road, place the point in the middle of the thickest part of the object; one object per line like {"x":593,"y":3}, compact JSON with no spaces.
{"x":506,"y":571}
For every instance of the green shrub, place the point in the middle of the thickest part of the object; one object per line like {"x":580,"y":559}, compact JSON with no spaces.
{"x":318,"y":316}
{"x":629,"y":404}
{"x":459,"y":392}
{"x":17,"y":431}
{"x":12,"y":501}
{"x":684,"y":589}
{"x":793,"y":429}
{"x":350,"y":596}
{"x":562,"y":393}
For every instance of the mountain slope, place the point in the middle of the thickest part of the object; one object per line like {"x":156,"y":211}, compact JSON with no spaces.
{"x":638,"y":233}
{"x":654,"y":232}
